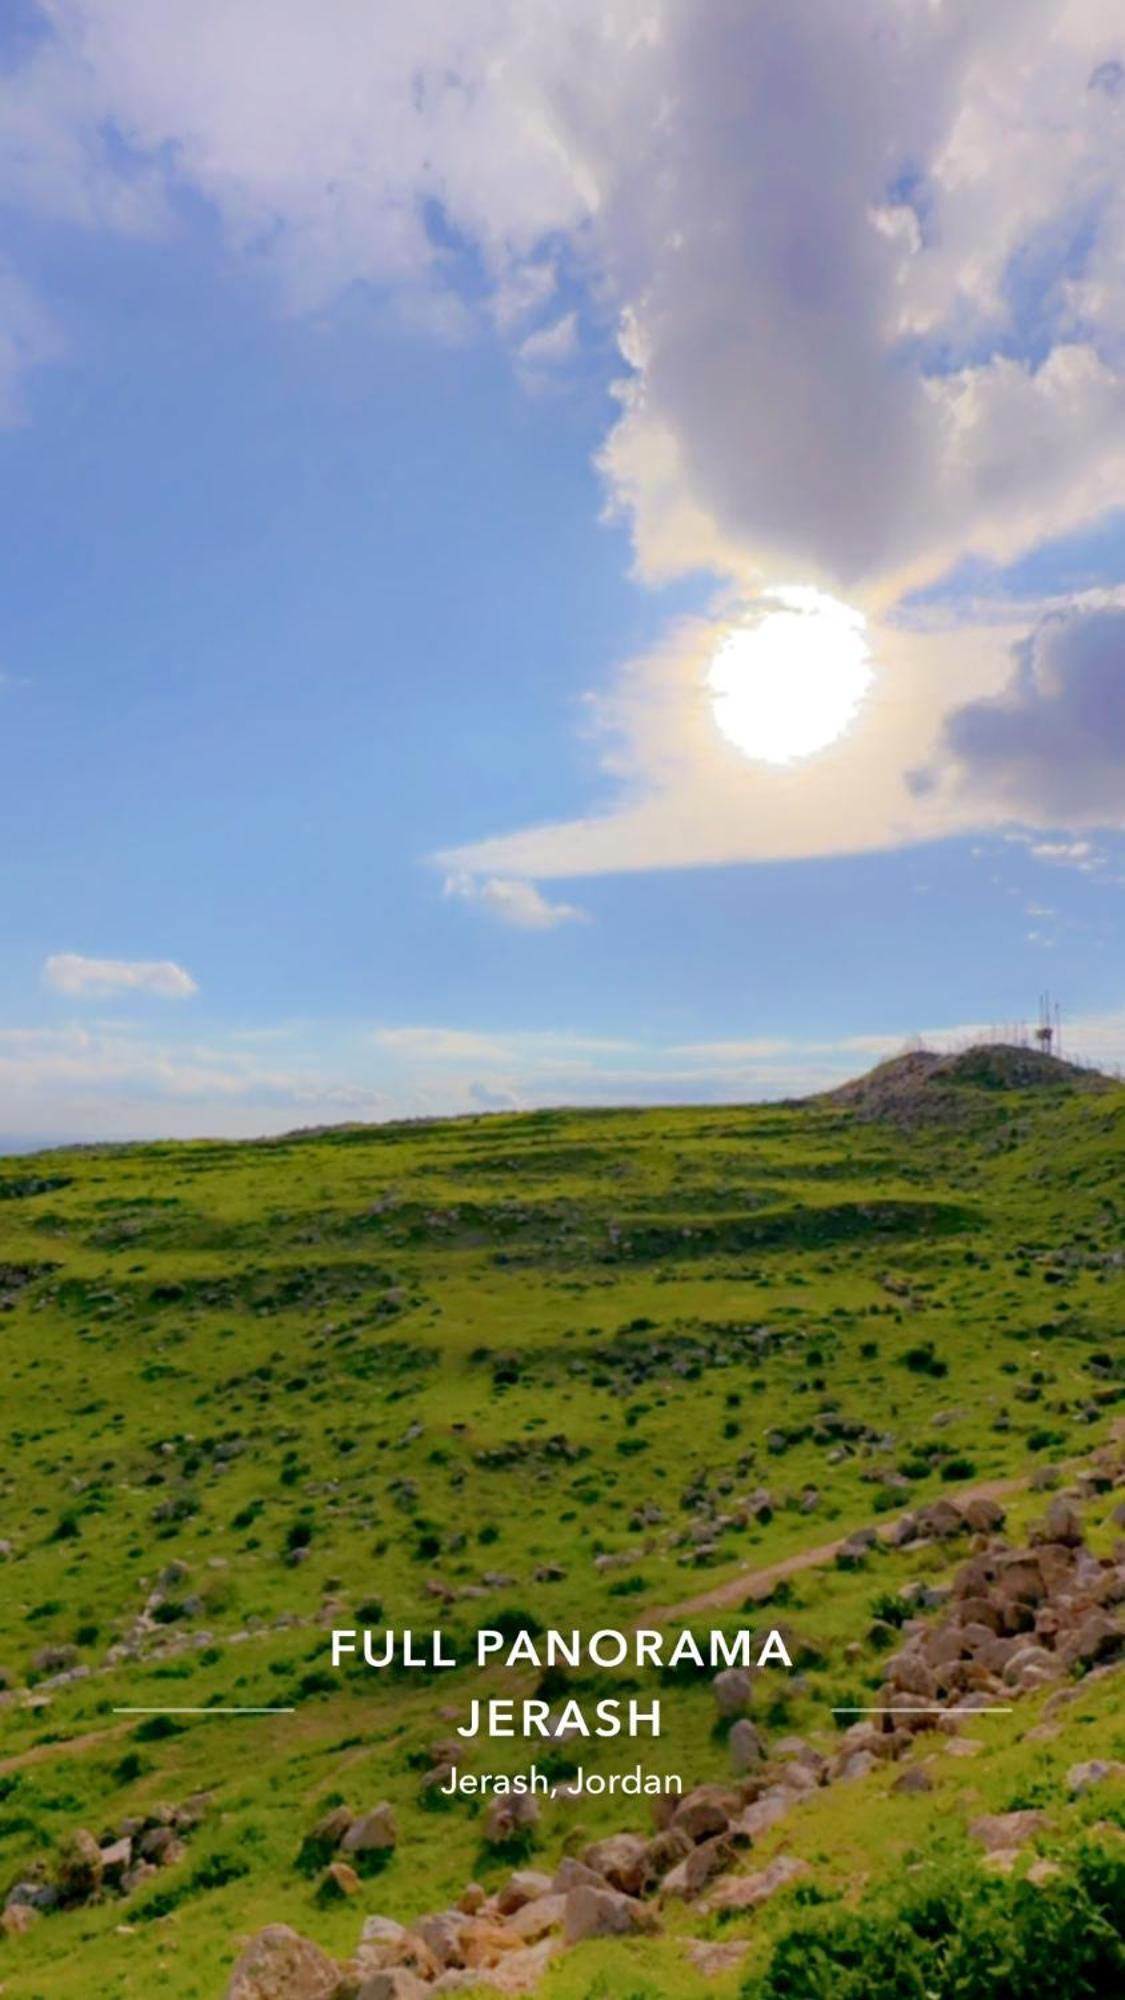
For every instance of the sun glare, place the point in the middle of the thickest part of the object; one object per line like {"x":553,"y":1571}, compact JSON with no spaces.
{"x":793,"y":681}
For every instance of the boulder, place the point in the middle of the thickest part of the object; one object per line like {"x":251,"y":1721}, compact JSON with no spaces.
{"x":746,"y":1892}
{"x":116,"y":1859}
{"x":1082,"y":1777}
{"x":704,"y":1811}
{"x":697,"y":1868}
{"x":331,"y":1829}
{"x":603,"y":1913}
{"x":1062,"y":1523}
{"x":574,"y":1874}
{"x":733,"y":1690}
{"x":914,"y":1780}
{"x":396,"y":1982}
{"x":1002,"y":1831}
{"x":374,"y":1832}
{"x":1097,"y":1638}
{"x":441,"y":1932}
{"x":279,"y":1964}
{"x":508,"y":1817}
{"x":537,"y":1920}
{"x":525,"y":1886}
{"x":622,"y":1861}
{"x":985,"y":1517}
{"x":746,"y":1748}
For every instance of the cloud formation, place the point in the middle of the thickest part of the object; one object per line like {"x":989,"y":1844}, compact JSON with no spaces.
{"x":1052,"y":744}
{"x":68,"y":972}
{"x":513,"y":901}
{"x":864,"y":259}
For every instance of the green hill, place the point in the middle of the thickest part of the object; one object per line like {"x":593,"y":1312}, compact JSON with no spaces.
{"x":555,"y":1369}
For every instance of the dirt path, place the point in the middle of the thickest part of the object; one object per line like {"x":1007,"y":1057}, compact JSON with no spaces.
{"x":63,"y":1746}
{"x":758,"y":1582}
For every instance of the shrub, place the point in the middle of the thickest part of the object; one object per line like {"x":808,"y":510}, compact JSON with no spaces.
{"x":964,"y":1937}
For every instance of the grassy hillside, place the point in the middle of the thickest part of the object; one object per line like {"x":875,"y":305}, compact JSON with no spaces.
{"x":572,"y":1365}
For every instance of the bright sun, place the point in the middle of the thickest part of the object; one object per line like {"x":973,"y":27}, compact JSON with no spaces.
{"x":793,"y":681}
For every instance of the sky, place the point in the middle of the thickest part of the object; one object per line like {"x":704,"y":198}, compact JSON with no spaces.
{"x":555,"y":551}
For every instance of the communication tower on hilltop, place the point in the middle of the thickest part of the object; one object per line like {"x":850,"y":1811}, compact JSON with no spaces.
{"x":1048,"y":1035}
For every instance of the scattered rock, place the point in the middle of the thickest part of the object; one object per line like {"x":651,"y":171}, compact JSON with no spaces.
{"x":279,"y":1964}
{"x":997,"y":1831}
{"x":603,"y":1913}
{"x":746,"y":1892}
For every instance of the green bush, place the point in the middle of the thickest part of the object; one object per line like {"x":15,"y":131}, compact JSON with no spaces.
{"x":965,"y":1937}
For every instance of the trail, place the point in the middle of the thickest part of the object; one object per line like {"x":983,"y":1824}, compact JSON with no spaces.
{"x":758,"y":1582}
{"x":63,"y":1746}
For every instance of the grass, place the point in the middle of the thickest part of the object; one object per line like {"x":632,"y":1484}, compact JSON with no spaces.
{"x":375,"y":1370}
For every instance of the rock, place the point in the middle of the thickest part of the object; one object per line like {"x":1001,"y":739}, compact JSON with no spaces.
{"x":746,"y":1892}
{"x":574,"y":1874}
{"x":665,"y":1849}
{"x":396,"y":1982}
{"x":622,"y":1861}
{"x":161,"y":1846}
{"x":746,"y":1748}
{"x":908,"y":1672}
{"x":507,"y":1817}
{"x":1063,"y":1523}
{"x":191,"y":1812}
{"x":985,"y":1517}
{"x":471,"y":1899}
{"x":340,"y":1879}
{"x":1083,"y":1777}
{"x":279,"y":1964}
{"x":78,"y":1867}
{"x":16,"y":1918}
{"x":913,"y":1780}
{"x":116,"y":1859}
{"x":941,"y":1519}
{"x":765,"y":1812}
{"x":733,"y":1690}
{"x":330,"y":1831}
{"x":603,"y":1913}
{"x":856,"y":1765}
{"x":440,"y":1932}
{"x":536,"y":1920}
{"x":1001,"y":1860}
{"x":525,"y":1886}
{"x":374,"y":1832}
{"x":698,"y":1866}
{"x":136,"y":1877}
{"x":704,"y":1811}
{"x":1097,"y":1638}
{"x":1042,"y":1871}
{"x":997,"y":1831}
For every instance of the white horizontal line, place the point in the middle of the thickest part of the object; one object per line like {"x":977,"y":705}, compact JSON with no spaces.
{"x":205,"y":1711}
{"x":921,"y":1711}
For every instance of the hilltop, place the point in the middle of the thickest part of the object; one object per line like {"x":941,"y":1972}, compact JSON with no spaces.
{"x":556,"y":1370}
{"x":925,"y":1084}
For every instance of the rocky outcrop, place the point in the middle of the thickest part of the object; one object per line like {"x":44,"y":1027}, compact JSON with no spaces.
{"x":1017,"y":1619}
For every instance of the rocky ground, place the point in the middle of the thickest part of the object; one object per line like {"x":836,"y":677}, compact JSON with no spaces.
{"x":1015,"y":1620}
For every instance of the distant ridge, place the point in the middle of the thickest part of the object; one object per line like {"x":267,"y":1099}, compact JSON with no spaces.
{"x":922,"y":1082}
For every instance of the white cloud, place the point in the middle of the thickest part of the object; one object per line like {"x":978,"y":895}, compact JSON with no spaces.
{"x":864,"y":261}
{"x":69,"y":972}
{"x":684,"y":797}
{"x":514,"y":902}
{"x":867,"y":256}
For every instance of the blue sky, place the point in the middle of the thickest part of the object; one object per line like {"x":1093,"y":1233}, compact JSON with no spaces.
{"x":389,"y":448}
